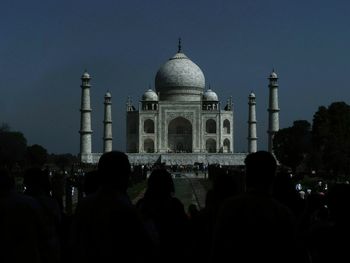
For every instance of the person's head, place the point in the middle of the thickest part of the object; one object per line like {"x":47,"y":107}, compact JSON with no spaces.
{"x":260,"y":170}
{"x":160,"y":183}
{"x":114,"y":170}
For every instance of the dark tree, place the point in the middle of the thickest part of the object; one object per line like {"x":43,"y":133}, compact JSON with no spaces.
{"x":12,"y":148}
{"x":330,"y":137}
{"x":4,"y":127}
{"x":63,"y":161}
{"x":36,"y":155}
{"x":291,"y":145}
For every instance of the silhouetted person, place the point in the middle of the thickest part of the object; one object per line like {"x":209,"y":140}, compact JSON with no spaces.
{"x":107,"y":228}
{"x":328,"y":242}
{"x":58,"y":187}
{"x":224,"y":186}
{"x":165,"y":217}
{"x":284,"y":191}
{"x":91,"y":182}
{"x":37,"y":185}
{"x":23,"y":232}
{"x":192,"y":211}
{"x":253,"y":227}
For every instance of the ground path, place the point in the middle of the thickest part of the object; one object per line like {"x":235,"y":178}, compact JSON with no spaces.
{"x":188,"y":189}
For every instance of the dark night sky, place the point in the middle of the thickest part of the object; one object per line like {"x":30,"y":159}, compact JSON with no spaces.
{"x":46,"y":45}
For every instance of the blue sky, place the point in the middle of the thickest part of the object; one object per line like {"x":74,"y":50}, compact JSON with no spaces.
{"x":46,"y":45}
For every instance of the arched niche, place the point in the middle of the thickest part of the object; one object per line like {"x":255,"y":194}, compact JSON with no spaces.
{"x":180,"y":135}
{"x":148,"y":126}
{"x":148,"y":146}
{"x":210,"y":145}
{"x":226,"y":147}
{"x":210,"y":126}
{"x":226,"y":126}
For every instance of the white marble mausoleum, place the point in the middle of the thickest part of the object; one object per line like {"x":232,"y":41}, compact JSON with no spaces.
{"x":179,"y":122}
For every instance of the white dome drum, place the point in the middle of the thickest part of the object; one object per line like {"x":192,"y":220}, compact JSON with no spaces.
{"x":210,"y":95}
{"x":180,"y":79}
{"x":150,"y":95}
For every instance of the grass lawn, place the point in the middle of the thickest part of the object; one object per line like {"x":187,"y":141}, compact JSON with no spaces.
{"x":207,"y":184}
{"x":136,"y":189}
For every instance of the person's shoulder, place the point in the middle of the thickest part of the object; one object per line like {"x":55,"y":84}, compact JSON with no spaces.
{"x":21,"y":200}
{"x":282,"y":209}
{"x":236,"y":200}
{"x":86,"y":204}
{"x":22,"y":206}
{"x":140,"y":202}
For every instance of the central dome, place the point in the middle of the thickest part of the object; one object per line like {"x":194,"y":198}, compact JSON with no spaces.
{"x":180,"y":79}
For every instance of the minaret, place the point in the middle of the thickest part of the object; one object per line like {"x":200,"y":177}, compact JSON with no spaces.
{"x":85,"y":119}
{"x":252,"y":139}
{"x":273,"y":110}
{"x":107,"y":124}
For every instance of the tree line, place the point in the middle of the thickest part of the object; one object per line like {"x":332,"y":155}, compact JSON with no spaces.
{"x":16,"y":154}
{"x":322,"y":147}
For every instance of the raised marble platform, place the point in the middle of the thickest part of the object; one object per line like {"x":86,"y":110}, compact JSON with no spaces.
{"x":177,"y":158}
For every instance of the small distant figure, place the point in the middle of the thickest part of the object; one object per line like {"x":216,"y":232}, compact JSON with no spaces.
{"x":298,"y":187}
{"x":107,"y":227}
{"x":58,"y":182}
{"x":302,"y":194}
{"x":254,"y":227}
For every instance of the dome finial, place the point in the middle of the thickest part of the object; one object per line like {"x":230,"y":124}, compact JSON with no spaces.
{"x":179,"y":46}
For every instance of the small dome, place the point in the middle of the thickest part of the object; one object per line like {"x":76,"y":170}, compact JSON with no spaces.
{"x":210,"y":95}
{"x":273,"y":75}
{"x":85,"y":75}
{"x":150,"y":95}
{"x":108,"y":95}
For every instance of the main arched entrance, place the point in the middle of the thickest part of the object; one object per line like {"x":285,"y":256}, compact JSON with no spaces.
{"x":180,"y":135}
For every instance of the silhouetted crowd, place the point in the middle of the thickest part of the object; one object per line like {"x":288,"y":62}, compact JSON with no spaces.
{"x":261,"y":218}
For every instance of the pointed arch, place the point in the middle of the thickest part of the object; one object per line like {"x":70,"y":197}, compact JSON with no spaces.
{"x":210,"y":126}
{"x":148,"y":146}
{"x":180,"y":135}
{"x":148,"y":126}
{"x":210,"y":145}
{"x":226,"y":148}
{"x":226,"y":127}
